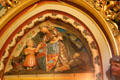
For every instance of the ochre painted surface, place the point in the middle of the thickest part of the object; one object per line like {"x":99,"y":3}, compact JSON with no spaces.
{"x":80,"y":76}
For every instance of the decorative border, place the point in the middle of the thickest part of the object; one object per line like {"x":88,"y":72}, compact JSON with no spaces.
{"x":75,"y":24}
{"x":82,"y":7}
{"x":99,"y":23}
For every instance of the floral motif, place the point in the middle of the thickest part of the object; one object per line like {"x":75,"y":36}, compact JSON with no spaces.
{"x":86,"y":33}
{"x":97,"y":60}
{"x":76,"y":23}
{"x":93,"y":45}
{"x":65,"y":17}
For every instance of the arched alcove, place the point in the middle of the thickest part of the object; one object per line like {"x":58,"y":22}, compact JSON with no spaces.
{"x":78,"y":23}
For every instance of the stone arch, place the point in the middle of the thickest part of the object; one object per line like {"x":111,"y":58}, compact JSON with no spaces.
{"x":80,"y":15}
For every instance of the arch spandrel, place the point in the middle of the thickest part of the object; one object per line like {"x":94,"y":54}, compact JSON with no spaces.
{"x":80,"y":15}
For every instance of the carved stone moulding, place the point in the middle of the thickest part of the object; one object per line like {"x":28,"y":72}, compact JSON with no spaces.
{"x":15,"y":47}
{"x":27,"y":26}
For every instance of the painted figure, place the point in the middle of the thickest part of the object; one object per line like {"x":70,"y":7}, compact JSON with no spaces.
{"x":115,"y":68}
{"x":30,"y":60}
{"x":54,"y":54}
{"x":3,"y":8}
{"x":75,"y":61}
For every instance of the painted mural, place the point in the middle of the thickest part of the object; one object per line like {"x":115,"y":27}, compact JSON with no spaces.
{"x":50,"y":48}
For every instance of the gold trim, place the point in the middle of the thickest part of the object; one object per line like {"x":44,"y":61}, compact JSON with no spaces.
{"x":14,"y":11}
{"x":27,"y":3}
{"x":92,"y":21}
{"x":101,"y":20}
